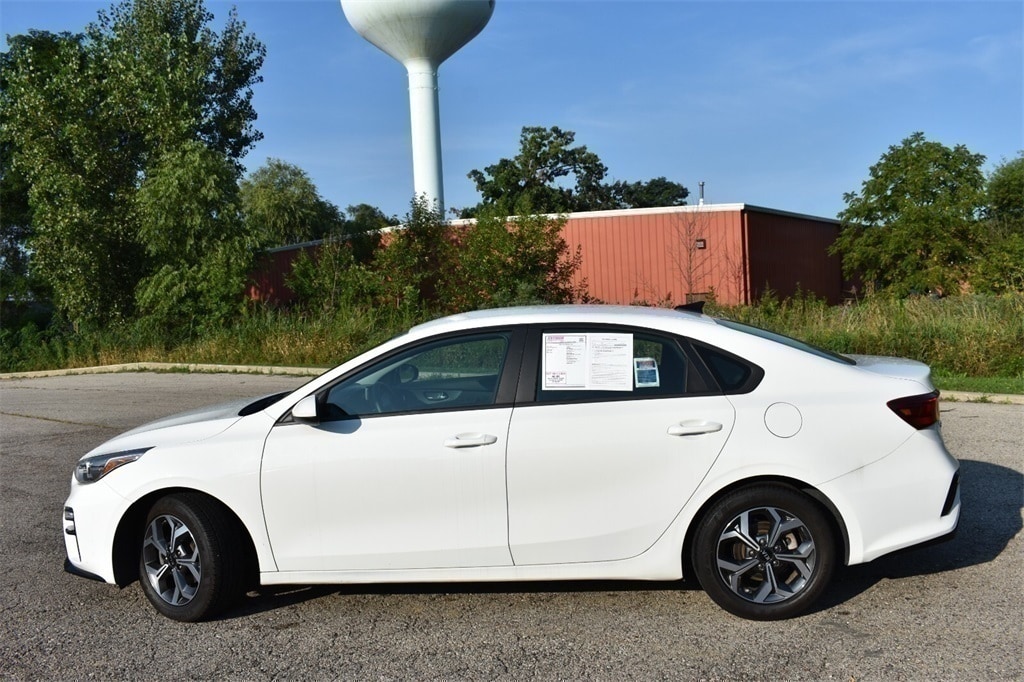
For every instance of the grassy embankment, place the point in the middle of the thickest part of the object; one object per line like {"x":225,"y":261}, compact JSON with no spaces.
{"x":973,"y":343}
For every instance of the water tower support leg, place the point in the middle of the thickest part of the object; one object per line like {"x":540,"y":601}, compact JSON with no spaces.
{"x":426,"y":132}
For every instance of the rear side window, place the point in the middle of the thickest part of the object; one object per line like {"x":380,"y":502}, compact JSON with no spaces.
{"x":589,"y":365}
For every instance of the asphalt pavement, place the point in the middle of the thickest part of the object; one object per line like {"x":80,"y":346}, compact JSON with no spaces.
{"x":949,"y":612}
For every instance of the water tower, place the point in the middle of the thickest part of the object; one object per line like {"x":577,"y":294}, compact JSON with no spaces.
{"x":421,"y":34}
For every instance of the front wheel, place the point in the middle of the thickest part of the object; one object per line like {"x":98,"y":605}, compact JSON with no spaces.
{"x":189,"y":564}
{"x":765,"y":552}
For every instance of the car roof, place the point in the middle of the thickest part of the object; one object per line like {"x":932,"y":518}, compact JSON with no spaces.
{"x":637,"y":316}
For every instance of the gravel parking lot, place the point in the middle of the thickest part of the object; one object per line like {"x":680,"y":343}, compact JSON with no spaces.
{"x":952,"y":611}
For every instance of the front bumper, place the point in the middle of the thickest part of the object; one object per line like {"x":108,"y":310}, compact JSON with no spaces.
{"x":90,"y":518}
{"x":74,"y":570}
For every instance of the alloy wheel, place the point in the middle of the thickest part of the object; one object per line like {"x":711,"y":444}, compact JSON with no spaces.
{"x":170,"y":556}
{"x":766,"y":555}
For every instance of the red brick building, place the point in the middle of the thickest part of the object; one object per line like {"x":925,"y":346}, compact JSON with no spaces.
{"x":677,"y":254}
{"x":683,"y":253}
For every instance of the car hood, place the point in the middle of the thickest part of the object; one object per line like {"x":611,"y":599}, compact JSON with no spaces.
{"x":185,"y":427}
{"x":897,"y":368}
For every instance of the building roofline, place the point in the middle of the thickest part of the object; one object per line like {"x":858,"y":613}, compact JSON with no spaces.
{"x":294,"y":247}
{"x":617,"y":213}
{"x":790,"y":214}
{"x":698,"y":208}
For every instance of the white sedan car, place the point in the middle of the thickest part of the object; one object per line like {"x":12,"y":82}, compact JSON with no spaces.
{"x":539,"y":443}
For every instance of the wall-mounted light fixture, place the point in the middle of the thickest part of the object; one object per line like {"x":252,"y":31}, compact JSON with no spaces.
{"x":702,"y":244}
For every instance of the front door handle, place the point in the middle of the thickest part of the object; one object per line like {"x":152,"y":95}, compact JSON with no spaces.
{"x":470,"y":440}
{"x":693,"y":428}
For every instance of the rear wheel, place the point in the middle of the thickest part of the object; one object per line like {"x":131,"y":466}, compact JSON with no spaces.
{"x":765,"y":552}
{"x":190,"y":563}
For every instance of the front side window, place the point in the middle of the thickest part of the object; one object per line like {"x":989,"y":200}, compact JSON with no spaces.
{"x":583,"y":365}
{"x":453,"y":373}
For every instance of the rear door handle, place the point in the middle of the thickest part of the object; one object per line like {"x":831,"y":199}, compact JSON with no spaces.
{"x":470,"y":440}
{"x":693,"y":428}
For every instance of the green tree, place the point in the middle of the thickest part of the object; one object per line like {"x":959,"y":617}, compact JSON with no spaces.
{"x":15,"y":211}
{"x":414,"y":259}
{"x":366,"y":218}
{"x":364,"y":229}
{"x":1001,"y":265}
{"x":654,"y":193}
{"x":515,"y":261}
{"x":69,"y":151}
{"x":912,"y":226}
{"x":427,"y":267}
{"x":327,"y":278}
{"x":1005,"y":195}
{"x":173,"y":79}
{"x":199,"y":252}
{"x":283,"y":206}
{"x":344,"y":271}
{"x":553,"y":175}
{"x":88,"y":118}
{"x":538,"y":174}
{"x":15,"y":230}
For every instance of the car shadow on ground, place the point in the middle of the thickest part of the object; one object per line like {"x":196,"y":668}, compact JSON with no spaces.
{"x":991,"y":500}
{"x":275,"y":597}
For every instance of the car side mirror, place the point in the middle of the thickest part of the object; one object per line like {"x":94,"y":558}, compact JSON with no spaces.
{"x":305,"y":410}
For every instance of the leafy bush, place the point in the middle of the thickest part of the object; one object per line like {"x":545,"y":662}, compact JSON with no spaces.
{"x":431,"y":267}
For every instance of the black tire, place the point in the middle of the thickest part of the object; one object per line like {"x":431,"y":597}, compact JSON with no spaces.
{"x":191,"y":566}
{"x":765,"y":552}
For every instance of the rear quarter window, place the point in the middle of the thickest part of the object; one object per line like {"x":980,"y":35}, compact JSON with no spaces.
{"x":733,"y":374}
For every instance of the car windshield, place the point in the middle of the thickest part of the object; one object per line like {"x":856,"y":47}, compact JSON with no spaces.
{"x":786,"y":341}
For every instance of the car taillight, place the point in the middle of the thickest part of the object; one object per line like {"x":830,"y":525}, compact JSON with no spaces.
{"x":920,"y":411}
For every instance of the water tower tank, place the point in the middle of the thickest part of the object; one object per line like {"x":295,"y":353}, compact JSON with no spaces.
{"x":421,"y":34}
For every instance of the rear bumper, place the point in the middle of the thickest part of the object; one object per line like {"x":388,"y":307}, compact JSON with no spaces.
{"x":942,"y":539}
{"x":952,"y":501}
{"x":906,"y":499}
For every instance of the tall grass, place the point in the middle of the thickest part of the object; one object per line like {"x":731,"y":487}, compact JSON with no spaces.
{"x":274,"y":338}
{"x":958,"y":336}
{"x":969,"y":336}
{"x":263,"y":337}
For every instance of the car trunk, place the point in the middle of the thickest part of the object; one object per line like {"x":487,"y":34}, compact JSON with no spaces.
{"x":897,"y":368}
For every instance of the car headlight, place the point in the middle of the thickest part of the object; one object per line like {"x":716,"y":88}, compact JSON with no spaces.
{"x":92,"y":469}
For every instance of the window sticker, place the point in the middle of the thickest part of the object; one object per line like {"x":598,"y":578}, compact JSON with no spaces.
{"x":645,"y":371}
{"x":596,"y":361}
{"x":565,"y":357}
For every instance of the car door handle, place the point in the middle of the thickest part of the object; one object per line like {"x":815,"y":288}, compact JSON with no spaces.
{"x":693,"y":428}
{"x":470,"y":440}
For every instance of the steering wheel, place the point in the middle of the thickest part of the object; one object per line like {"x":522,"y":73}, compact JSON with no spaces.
{"x":383,"y":398}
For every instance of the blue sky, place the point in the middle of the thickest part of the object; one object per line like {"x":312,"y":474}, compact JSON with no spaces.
{"x":778,"y":104}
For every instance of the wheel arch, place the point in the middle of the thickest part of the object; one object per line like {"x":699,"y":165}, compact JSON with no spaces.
{"x":833,"y":515}
{"x":130,"y":529}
